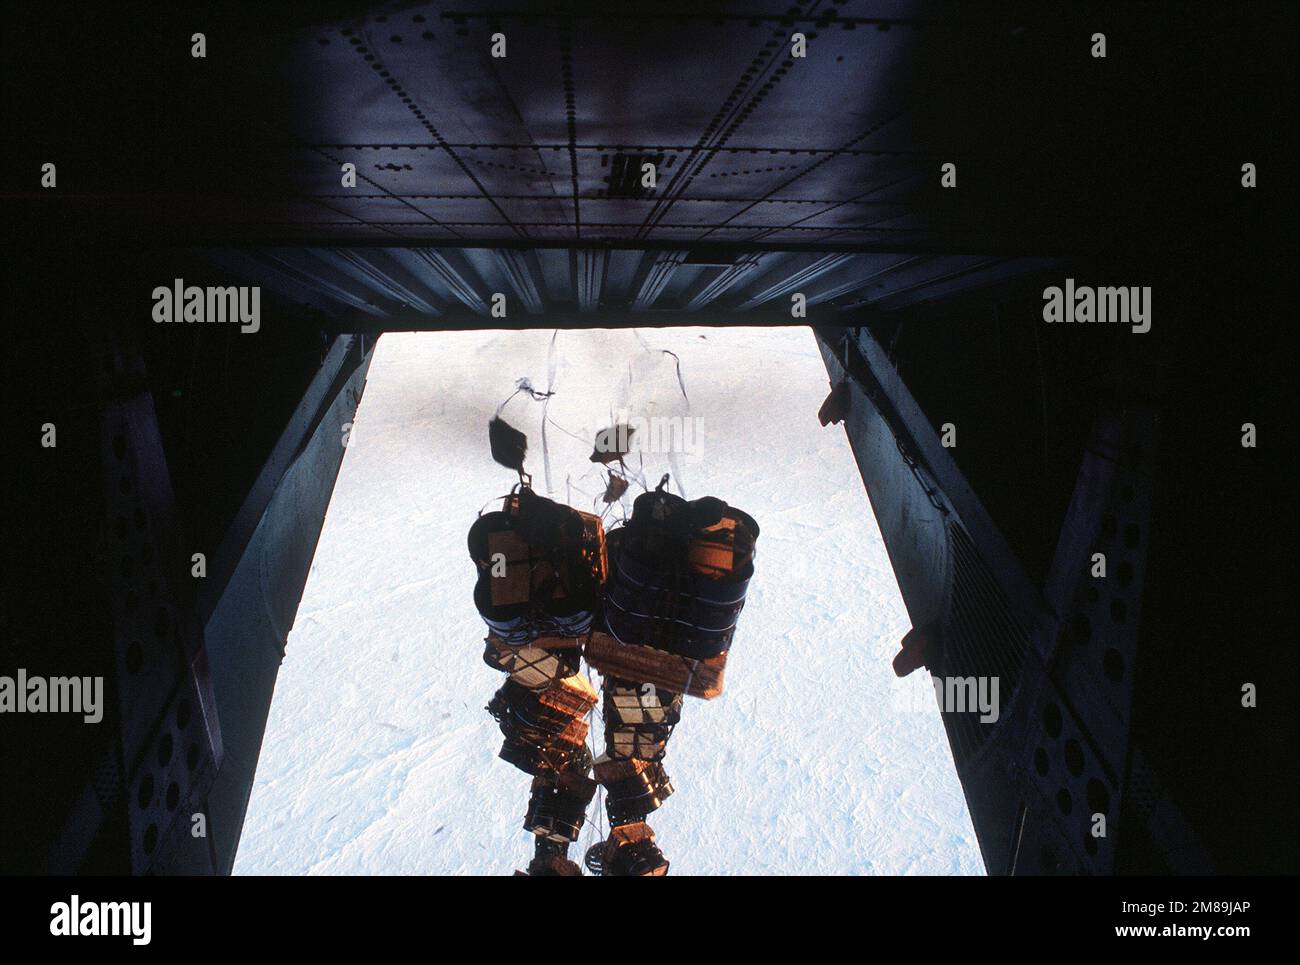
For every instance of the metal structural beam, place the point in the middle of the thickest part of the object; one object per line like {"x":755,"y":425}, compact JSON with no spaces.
{"x":520,"y":268}
{"x":1057,"y":762}
{"x":346,"y":354}
{"x":589,"y":266}
{"x":249,"y":624}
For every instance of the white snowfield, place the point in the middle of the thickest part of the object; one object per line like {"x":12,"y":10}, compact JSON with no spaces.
{"x":379,"y":757}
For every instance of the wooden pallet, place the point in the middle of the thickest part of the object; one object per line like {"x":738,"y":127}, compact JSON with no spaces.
{"x":574,"y":696}
{"x":699,"y":678}
{"x":533,"y":665}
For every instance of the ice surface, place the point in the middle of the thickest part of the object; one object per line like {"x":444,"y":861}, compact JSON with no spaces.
{"x":379,"y":757}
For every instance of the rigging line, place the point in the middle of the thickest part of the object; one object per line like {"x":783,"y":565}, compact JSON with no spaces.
{"x":492,"y":500}
{"x":550,"y":391}
{"x":591,"y":731}
{"x":582,"y":492}
{"x":571,"y":435}
{"x":677,"y":473}
{"x":523,"y":385}
{"x":546,"y":454}
{"x":507,"y":401}
{"x":640,"y":474}
{"x":680,"y":381}
{"x":586,"y":495}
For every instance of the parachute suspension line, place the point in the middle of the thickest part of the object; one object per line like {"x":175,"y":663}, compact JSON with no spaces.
{"x":690,"y":673}
{"x":677,"y":473}
{"x":680,"y":381}
{"x":672,"y":455}
{"x":599,"y":824}
{"x":550,"y":391}
{"x":502,"y":406}
{"x":577,"y":489}
{"x":546,"y":454}
{"x":609,"y":503}
{"x":523,"y":385}
{"x":640,"y":473}
{"x":571,"y":435}
{"x":526,"y":385}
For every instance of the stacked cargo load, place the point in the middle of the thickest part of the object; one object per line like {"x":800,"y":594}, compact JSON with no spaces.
{"x":541,"y":567}
{"x":653,"y":607}
{"x":679,"y":572}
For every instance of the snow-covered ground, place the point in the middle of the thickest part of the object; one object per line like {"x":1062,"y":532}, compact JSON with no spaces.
{"x":379,"y":757}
